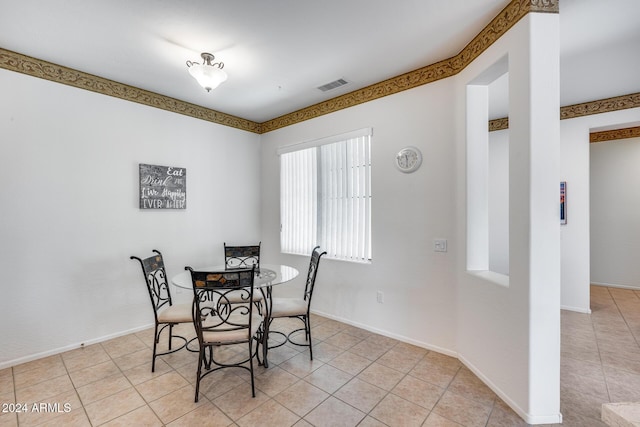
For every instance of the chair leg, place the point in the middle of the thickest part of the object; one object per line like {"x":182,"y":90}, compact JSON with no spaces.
{"x":170,"y":335}
{"x":265,"y":342}
{"x":200,"y":361}
{"x":307,"y":327}
{"x":259,"y":339}
{"x":156,"y":337}
{"x":208,"y":362}
{"x":253,"y":387}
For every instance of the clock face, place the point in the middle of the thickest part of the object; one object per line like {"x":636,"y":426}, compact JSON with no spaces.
{"x":408,"y":159}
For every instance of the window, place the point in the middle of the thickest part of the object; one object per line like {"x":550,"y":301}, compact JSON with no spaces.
{"x":325,"y":196}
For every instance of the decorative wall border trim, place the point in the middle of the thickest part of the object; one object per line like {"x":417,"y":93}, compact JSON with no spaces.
{"x":498,"y":26}
{"x":46,"y":70}
{"x":606,"y":105}
{"x":599,"y":106}
{"x":612,"y":135}
{"x":506,"y":19}
{"x":499,"y":124}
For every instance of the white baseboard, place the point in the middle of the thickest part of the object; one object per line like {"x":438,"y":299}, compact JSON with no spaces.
{"x":576,"y":309}
{"x":402,"y":338}
{"x":615,"y":285}
{"x":69,"y":347}
{"x":530,"y":419}
{"x":608,"y":285}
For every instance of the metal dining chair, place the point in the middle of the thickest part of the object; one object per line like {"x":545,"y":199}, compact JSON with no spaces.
{"x":298,"y":307}
{"x":243,"y":257}
{"x":166,"y":313}
{"x":220,"y":323}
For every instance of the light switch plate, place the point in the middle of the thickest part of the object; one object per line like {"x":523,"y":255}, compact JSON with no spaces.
{"x":440,"y":245}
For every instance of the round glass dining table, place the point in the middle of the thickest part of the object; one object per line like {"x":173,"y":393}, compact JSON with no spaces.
{"x":267,"y":276}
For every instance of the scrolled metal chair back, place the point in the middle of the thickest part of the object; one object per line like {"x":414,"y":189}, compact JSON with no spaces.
{"x":155,"y":275}
{"x":212,"y":305}
{"x":312,"y":273}
{"x":241,"y":256}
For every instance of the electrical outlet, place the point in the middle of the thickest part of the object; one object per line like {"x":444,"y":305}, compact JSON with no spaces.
{"x":380,"y":297}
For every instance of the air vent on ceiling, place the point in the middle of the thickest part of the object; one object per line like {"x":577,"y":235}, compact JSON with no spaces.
{"x":333,"y":85}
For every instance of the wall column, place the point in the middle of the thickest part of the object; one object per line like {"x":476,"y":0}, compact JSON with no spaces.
{"x":534,"y":158}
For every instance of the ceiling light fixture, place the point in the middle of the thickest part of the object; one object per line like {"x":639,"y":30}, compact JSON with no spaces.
{"x":209,"y":74}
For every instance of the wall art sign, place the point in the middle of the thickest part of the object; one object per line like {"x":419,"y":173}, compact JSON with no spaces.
{"x":163,"y":187}
{"x":563,"y":202}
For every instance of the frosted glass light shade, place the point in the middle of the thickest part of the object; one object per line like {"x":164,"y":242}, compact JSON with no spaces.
{"x":208,"y":76}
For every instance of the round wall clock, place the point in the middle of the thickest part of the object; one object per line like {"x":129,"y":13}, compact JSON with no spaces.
{"x":408,"y":159}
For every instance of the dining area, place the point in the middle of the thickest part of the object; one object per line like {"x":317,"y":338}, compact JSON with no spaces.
{"x":241,"y":354}
{"x":356,"y":378}
{"x":233,"y":306}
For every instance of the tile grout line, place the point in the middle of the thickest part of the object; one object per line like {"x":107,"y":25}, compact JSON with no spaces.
{"x":387,"y":392}
{"x":595,"y":334}
{"x":377,"y":360}
{"x":173,"y":369}
{"x":15,"y":394}
{"x":132,"y":385}
{"x":624,"y":317}
{"x":75,"y":390}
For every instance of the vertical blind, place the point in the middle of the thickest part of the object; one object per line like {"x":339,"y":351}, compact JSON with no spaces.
{"x":325,"y":191}
{"x":298,"y":201}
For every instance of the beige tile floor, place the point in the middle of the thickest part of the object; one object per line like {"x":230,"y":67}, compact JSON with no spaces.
{"x":356,"y":378}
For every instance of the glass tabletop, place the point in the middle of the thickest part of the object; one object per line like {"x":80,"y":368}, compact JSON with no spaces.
{"x":267,"y":275}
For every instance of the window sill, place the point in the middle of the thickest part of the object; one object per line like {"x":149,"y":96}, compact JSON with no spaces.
{"x":491,"y":276}
{"x":367,"y":262}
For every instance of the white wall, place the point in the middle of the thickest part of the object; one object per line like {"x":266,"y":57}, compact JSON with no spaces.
{"x":509,"y":335}
{"x":69,"y":217}
{"x":576,"y":256}
{"x":615,"y":212}
{"x":499,"y":201}
{"x":67,"y":250}
{"x":408,"y":212}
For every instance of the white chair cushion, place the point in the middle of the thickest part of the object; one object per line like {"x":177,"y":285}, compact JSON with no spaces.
{"x":287,"y":307}
{"x":176,"y":313}
{"x":226,"y":336}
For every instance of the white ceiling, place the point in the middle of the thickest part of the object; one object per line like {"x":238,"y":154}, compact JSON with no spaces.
{"x":278,"y":52}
